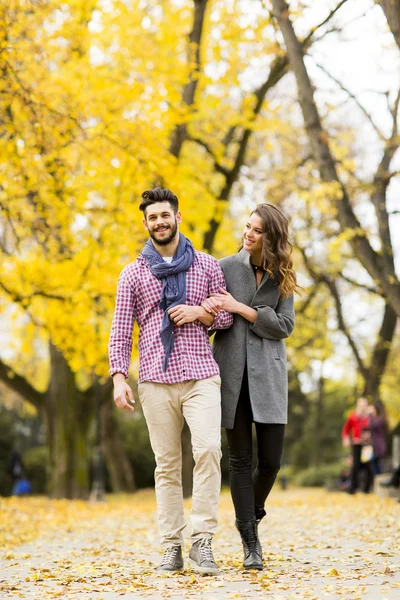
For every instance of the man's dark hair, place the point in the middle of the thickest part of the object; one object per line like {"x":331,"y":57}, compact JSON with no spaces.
{"x":158,"y":194}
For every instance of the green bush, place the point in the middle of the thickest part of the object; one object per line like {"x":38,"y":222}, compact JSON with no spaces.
{"x":318,"y":476}
{"x":36,"y":466}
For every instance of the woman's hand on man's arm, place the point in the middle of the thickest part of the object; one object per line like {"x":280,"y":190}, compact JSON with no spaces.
{"x":227,"y":302}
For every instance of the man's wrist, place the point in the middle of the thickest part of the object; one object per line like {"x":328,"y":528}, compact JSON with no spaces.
{"x":118,"y":377}
{"x":204,"y":317}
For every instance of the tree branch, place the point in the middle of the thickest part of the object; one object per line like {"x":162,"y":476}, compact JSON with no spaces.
{"x":319,"y":139}
{"x":391,"y":8}
{"x":20,"y":385}
{"x":353,"y":97}
{"x":219,"y":168}
{"x":24,"y":300}
{"x":363,"y":286}
{"x":180,"y":133}
{"x":278,"y":69}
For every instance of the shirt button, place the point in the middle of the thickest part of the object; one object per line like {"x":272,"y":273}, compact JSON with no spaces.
{"x":250,"y":341}
{"x":252,"y":368}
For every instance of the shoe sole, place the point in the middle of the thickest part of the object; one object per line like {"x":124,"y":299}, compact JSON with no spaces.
{"x":202,"y":570}
{"x":250,"y":567}
{"x":182,"y":568}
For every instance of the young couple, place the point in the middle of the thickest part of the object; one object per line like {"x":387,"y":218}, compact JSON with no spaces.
{"x":178,"y":297}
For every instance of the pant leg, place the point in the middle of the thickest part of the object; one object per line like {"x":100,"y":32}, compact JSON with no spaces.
{"x":270,"y":438}
{"x":396,"y":477}
{"x":369,"y":476}
{"x":201,"y":407}
{"x":356,"y":467}
{"x":162,"y":411}
{"x":240,"y":457}
{"x":376,"y":465}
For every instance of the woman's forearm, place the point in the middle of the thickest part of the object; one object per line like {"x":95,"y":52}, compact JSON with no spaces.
{"x":246,"y":312}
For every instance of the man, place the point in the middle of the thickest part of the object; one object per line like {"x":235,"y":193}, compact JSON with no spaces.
{"x":178,"y":378}
{"x":359,"y":427}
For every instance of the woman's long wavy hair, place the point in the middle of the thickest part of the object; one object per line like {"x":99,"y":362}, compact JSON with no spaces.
{"x":276,"y":248}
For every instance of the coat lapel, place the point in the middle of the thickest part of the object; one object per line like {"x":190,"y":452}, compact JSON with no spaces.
{"x":244,"y":258}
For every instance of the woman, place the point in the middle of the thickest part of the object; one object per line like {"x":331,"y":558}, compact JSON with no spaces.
{"x":379,"y":432}
{"x":251,"y":355}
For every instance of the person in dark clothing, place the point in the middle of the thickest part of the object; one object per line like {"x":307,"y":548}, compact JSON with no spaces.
{"x":379,"y":433}
{"x":358,"y":429}
{"x":16,"y":470}
{"x":15,"y":467}
{"x":394,"y":481}
{"x":260,"y":282}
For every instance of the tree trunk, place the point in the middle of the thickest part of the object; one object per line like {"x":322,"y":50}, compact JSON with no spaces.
{"x":391,"y":8}
{"x":373,"y":372}
{"x":380,"y":355}
{"x":67,"y":416}
{"x":118,"y":466}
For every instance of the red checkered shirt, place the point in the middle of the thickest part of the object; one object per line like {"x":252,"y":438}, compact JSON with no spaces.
{"x":138,"y":298}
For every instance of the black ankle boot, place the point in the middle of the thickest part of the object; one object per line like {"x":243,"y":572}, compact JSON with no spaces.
{"x":251,"y":544}
{"x":260,"y":513}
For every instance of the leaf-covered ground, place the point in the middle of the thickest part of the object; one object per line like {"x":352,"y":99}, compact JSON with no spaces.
{"x":316,"y":545}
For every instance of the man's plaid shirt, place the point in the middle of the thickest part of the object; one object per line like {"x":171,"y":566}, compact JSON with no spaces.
{"x":138,"y":298}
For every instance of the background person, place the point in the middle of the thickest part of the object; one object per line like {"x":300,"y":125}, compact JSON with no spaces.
{"x":357,"y":433}
{"x":379,"y":433}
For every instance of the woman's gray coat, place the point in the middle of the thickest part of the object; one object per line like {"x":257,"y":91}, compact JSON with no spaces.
{"x":260,"y":344}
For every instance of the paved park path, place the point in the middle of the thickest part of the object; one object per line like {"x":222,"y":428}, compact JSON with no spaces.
{"x":317,"y":544}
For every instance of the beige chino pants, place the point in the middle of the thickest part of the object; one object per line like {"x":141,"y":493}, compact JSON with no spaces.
{"x":165,"y":406}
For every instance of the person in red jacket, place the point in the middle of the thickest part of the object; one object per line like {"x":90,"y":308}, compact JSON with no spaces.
{"x":358,"y":429}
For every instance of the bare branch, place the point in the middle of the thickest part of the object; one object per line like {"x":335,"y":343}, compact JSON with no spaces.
{"x":25,"y":300}
{"x":180,"y":133}
{"x":353,"y":97}
{"x":313,"y":292}
{"x":20,"y":385}
{"x":377,"y":267}
{"x":332,"y":13}
{"x":219,"y":168}
{"x":363,"y":286}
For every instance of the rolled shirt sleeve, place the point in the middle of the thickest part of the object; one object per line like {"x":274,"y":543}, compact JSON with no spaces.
{"x":274,"y":324}
{"x":120,"y":343}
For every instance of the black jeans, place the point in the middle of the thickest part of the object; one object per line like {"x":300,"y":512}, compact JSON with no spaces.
{"x":358,"y":466}
{"x":250,"y":490}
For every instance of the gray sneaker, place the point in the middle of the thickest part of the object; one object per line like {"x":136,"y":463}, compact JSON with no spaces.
{"x":171,"y":561}
{"x":201,"y":558}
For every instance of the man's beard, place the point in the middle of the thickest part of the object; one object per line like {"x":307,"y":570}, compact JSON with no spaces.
{"x":167,"y":240}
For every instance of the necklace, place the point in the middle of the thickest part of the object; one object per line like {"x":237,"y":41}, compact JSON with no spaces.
{"x":258,"y":268}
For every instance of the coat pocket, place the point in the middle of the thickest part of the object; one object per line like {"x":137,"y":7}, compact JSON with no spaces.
{"x":276,"y":349}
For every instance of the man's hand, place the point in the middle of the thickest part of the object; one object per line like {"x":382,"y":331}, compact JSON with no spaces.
{"x":121,"y":392}
{"x":346,"y":442}
{"x":183,"y":313}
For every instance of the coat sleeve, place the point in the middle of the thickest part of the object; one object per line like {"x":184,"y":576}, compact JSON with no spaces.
{"x":275,"y":324}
